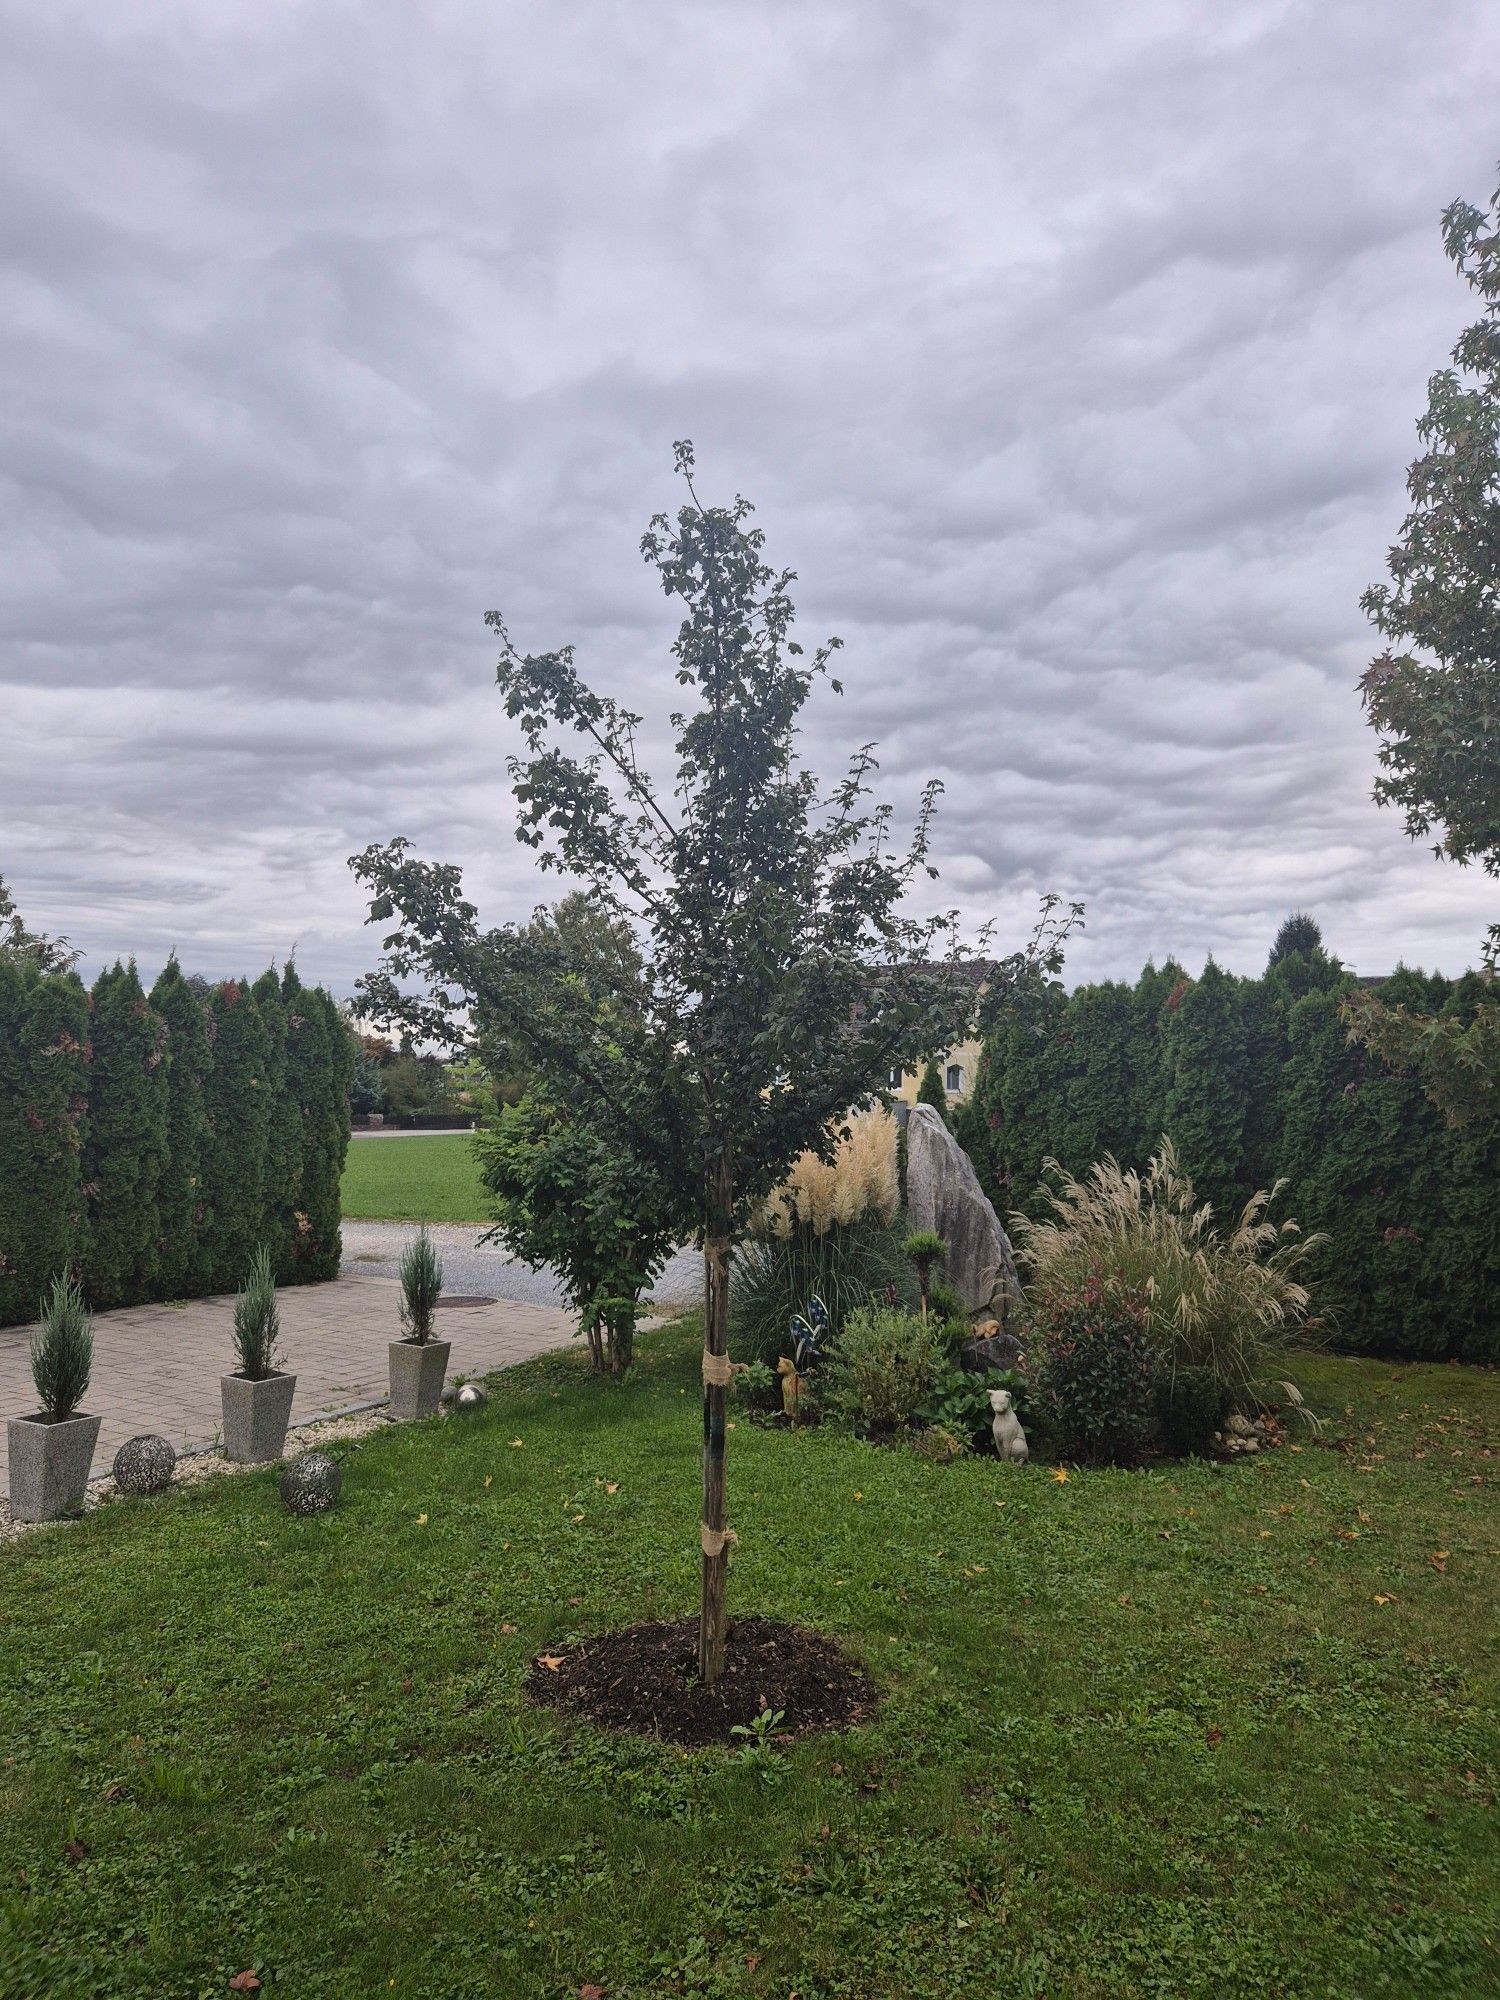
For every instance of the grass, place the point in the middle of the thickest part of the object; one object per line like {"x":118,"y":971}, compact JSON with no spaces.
{"x":428,"y":1178}
{"x":1178,"y":1731}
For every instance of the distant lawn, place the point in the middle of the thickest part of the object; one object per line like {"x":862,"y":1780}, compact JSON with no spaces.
{"x":1184,"y":1731}
{"x":421,"y":1179}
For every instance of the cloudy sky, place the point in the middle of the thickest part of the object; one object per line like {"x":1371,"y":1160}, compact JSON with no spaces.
{"x":1071,"y":356}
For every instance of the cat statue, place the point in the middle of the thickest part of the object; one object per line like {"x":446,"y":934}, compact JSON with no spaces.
{"x":1010,"y":1439}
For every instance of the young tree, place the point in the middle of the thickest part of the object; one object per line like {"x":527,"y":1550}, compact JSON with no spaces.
{"x":782,"y":977}
{"x":1434,"y":693}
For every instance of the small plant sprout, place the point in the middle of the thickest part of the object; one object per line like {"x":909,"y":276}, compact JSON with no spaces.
{"x":924,"y":1250}
{"x":421,"y":1287}
{"x":257,"y":1320}
{"x":62,"y":1351}
{"x":756,"y":1748}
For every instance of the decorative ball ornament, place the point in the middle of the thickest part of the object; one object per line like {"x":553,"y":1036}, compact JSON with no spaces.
{"x":470,"y":1397}
{"x":311,"y":1483}
{"x":144,"y":1464}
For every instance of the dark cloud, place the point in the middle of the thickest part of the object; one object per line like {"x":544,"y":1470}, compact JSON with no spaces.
{"x":1072,"y":359}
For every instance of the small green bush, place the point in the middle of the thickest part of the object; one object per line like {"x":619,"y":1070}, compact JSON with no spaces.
{"x":1099,"y":1372}
{"x":756,"y":1386}
{"x":943,"y":1302}
{"x":937,"y":1446}
{"x":421,"y":1286}
{"x":881,"y":1372}
{"x":1190,"y":1406}
{"x":62,"y":1350}
{"x":257,"y":1319}
{"x":959,"y":1401}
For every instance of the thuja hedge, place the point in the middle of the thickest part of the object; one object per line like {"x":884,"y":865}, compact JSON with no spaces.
{"x":150,"y":1141}
{"x":1255,"y":1079}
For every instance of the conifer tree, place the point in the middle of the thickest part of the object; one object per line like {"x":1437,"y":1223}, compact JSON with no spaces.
{"x":930,"y":1090}
{"x":1093,"y":1115}
{"x":1207,"y":1089}
{"x":1155,"y":996}
{"x":180,"y":1270}
{"x":126,"y":1139}
{"x":283,"y":1180}
{"x":237,"y":1110}
{"x":43,"y":1099}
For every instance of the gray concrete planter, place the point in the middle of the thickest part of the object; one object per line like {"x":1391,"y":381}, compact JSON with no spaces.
{"x":256,"y":1415}
{"x":417,"y":1373}
{"x":49,"y":1465}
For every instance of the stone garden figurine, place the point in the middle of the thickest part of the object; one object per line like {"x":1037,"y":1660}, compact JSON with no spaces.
{"x":791,"y":1387}
{"x":1005,"y":1428}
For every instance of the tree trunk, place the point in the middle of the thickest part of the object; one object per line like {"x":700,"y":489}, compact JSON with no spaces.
{"x":716,"y":1248}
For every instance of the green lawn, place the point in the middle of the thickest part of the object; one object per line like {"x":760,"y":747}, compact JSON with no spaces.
{"x":421,"y":1179}
{"x":1186,"y":1731}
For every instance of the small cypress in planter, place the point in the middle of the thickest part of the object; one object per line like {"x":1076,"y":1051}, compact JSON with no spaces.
{"x":51,"y":1452}
{"x":418,"y":1362}
{"x":257,"y":1397}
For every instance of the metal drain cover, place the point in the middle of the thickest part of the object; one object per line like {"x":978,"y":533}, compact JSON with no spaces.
{"x":466,"y":1299}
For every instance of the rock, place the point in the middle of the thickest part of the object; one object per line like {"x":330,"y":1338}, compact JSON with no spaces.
{"x":1236,"y":1426}
{"x":982,"y":1357}
{"x":943,"y":1194}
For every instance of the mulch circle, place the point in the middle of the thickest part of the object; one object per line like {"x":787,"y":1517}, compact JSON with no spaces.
{"x":645,"y":1679}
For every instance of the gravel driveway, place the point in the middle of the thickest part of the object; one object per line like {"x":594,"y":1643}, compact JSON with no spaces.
{"x":373,"y":1249}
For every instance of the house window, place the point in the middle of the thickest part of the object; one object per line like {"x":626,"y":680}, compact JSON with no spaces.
{"x":895,"y":1079}
{"x":954,"y":1080}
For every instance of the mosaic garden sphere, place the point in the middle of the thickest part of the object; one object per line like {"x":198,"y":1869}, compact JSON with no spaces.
{"x":144,"y":1464}
{"x":469,"y":1397}
{"x":310,"y":1484}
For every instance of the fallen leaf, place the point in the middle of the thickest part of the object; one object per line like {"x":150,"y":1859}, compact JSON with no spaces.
{"x":507,"y":1628}
{"x":611,"y":1485}
{"x":589,"y":1991}
{"x":551,"y":1661}
{"x":76,"y":1851}
{"x":1439,"y":1560}
{"x":1214,"y":1737}
{"x":489,"y":1480}
{"x":1060,"y":1474}
{"x":1388,"y":1597}
{"x":752,"y":1959}
{"x":516,"y":1443}
{"x":244,"y":1982}
{"x":421,"y":1520}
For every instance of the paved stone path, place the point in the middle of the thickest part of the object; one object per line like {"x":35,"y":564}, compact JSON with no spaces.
{"x":157,"y":1368}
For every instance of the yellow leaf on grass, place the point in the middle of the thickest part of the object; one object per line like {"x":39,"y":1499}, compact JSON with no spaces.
{"x":611,"y":1485}
{"x":489,"y":1480}
{"x":516,"y":1443}
{"x":1060,"y":1474}
{"x":421,"y":1520}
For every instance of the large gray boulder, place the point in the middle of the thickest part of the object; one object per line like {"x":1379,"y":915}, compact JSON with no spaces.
{"x":943,"y":1193}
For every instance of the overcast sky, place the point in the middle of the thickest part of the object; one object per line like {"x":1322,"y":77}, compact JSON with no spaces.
{"x":1072,"y":357}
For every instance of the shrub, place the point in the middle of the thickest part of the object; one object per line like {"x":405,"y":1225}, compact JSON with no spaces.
{"x":421,"y":1286}
{"x":757,"y":1386}
{"x":938,"y":1446}
{"x":881,"y":1372}
{"x":1098,"y":1372}
{"x":1190,"y":1407}
{"x":849,"y":1266}
{"x":1213,"y":1302}
{"x":257,"y":1319}
{"x":62,"y":1351}
{"x":944,"y":1303}
{"x":959,"y":1401}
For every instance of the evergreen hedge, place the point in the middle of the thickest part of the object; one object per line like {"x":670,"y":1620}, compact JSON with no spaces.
{"x":1255,"y":1079}
{"x":148,"y":1144}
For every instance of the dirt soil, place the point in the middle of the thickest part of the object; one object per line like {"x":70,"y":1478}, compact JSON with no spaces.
{"x":645,"y":1679}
